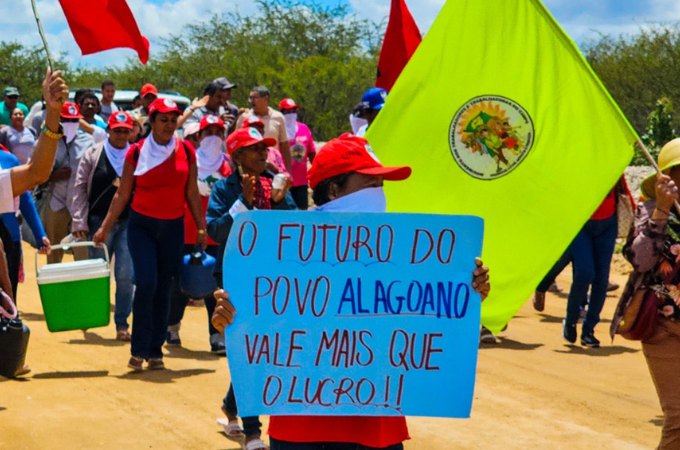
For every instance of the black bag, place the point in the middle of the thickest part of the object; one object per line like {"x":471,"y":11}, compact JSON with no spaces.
{"x":13,"y":339}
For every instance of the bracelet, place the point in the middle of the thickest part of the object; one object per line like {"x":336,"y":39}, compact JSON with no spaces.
{"x":56,"y":135}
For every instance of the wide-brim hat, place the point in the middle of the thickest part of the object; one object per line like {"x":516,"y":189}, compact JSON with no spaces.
{"x":669,"y":157}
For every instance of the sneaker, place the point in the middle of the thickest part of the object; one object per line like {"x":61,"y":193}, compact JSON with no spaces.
{"x":569,"y":332}
{"x":155,"y":364}
{"x":539,"y":301}
{"x":486,"y":336}
{"x":135,"y":363}
{"x":217,"y":344}
{"x":172,"y":339}
{"x":589,"y":340}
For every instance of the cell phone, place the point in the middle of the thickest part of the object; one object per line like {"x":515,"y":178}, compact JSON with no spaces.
{"x":240,"y":169}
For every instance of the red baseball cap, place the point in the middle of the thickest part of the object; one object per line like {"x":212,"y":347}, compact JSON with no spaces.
{"x":70,"y":110}
{"x":164,"y":106}
{"x":288,"y":103}
{"x":147,"y":89}
{"x":348,"y":153}
{"x":251,"y":121}
{"x":209,"y":120}
{"x":243,"y":137}
{"x":120,"y":119}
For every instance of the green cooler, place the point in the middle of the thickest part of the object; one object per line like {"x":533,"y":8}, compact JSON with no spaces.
{"x":75,"y":295}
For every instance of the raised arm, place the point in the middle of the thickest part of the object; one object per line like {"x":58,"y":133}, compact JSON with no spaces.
{"x":38,"y":169}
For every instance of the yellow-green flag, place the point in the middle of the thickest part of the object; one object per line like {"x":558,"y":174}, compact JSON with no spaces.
{"x":500,"y":116}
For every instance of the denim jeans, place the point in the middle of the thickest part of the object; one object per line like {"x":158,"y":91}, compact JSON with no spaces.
{"x":555,"y":271}
{"x":156,"y":250}
{"x":178,"y":301}
{"x":591,"y":253}
{"x":251,"y":425}
{"x":123,"y":273}
{"x":283,"y":445}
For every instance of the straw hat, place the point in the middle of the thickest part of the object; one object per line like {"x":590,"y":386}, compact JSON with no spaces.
{"x":669,"y":157}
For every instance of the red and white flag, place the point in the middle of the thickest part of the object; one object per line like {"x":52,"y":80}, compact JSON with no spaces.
{"x":401,"y":40}
{"x":99,"y":25}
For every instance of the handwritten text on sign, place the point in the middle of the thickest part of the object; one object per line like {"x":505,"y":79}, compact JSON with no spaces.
{"x":353,"y":314}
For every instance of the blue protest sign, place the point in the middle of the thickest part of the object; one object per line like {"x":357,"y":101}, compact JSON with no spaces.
{"x":353,"y":314}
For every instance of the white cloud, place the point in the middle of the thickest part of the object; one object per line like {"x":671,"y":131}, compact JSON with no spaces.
{"x":158,"y":19}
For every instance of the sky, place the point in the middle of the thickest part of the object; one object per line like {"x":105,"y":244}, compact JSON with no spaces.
{"x":583,"y":20}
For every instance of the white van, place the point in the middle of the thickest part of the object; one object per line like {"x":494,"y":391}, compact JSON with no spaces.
{"x":124,"y":97}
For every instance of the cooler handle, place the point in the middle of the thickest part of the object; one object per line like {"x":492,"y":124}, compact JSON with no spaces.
{"x":66,"y":247}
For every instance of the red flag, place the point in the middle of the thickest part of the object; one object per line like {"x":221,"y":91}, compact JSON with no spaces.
{"x":401,"y":40}
{"x":99,"y":25}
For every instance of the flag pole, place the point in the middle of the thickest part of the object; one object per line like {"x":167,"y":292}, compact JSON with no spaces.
{"x":42,"y":35}
{"x":651,"y":160}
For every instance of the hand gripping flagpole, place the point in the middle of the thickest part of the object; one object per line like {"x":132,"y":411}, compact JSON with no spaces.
{"x":651,"y":160}
{"x":42,"y":35}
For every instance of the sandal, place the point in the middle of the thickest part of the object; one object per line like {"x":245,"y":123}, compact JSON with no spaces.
{"x":256,"y":444}
{"x":123,"y":335}
{"x":22,"y":371}
{"x":135,"y":363}
{"x":233,"y":430}
{"x":156,"y":364}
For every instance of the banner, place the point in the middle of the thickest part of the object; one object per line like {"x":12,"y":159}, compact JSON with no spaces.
{"x":401,"y":40}
{"x":501,"y":117}
{"x":99,"y":25}
{"x":353,"y":314}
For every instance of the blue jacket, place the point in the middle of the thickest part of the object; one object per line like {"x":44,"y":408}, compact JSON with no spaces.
{"x":223,"y":195}
{"x":26,"y":206}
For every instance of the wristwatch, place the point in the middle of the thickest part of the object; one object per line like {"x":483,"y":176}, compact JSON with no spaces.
{"x":56,"y":135}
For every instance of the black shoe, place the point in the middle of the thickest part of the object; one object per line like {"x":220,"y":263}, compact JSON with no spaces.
{"x":172,"y":339}
{"x":589,"y":340}
{"x":612,"y":287}
{"x":569,"y":332}
{"x":217,"y":344}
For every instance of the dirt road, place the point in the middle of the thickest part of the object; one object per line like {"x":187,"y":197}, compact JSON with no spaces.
{"x":533,"y":391}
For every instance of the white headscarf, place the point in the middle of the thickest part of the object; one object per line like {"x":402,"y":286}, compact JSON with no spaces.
{"x":291,"y":125}
{"x":365,"y":200}
{"x":152,"y":154}
{"x":210,"y":156}
{"x":116,"y":156}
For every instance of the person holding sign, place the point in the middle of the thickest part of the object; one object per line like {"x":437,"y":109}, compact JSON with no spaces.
{"x":344,"y":178}
{"x":250,"y":186}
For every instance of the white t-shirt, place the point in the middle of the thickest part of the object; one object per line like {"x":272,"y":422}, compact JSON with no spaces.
{"x":6,"y":197}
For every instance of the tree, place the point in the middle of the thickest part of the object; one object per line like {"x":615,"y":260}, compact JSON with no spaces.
{"x":639,"y":70}
{"x":24,"y":67}
{"x":322,"y":57}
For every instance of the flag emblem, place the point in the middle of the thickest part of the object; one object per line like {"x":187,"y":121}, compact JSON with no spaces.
{"x":489,"y":136}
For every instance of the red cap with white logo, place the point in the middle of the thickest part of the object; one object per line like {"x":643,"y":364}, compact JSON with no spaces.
{"x":120,"y":119}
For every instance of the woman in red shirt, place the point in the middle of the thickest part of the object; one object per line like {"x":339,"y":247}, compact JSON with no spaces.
{"x":159,"y":176}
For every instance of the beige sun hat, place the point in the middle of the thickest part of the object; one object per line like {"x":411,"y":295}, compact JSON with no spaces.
{"x":669,"y":157}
